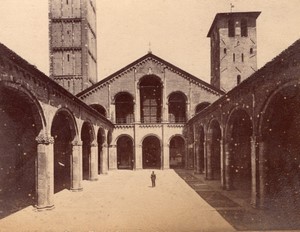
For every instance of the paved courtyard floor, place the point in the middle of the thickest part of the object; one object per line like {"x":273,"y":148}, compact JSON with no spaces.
{"x":124,"y":201}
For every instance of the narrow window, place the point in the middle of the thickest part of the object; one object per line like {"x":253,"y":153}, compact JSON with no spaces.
{"x":244,"y":28}
{"x":67,"y":1}
{"x":68,"y":84}
{"x":238,"y":79}
{"x":68,"y":56}
{"x":225,"y":51}
{"x":251,"y":50}
{"x":242,"y":57}
{"x":233,"y":57}
{"x":231,"y":28}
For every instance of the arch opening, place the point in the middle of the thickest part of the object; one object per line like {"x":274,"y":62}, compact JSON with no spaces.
{"x":281,"y":134}
{"x":19,"y":127}
{"x":177,"y":152}
{"x":151,"y":152}
{"x":87,"y":139}
{"x":214,"y":164}
{"x":177,"y":108}
{"x":125,"y":157}
{"x":99,"y":108}
{"x":240,"y":150}
{"x":124,"y":108}
{"x":201,"y":106}
{"x":63,"y":136}
{"x":151,"y":99}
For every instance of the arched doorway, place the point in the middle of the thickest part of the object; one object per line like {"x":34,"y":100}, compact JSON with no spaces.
{"x":281,"y":135}
{"x":20,"y":125}
{"x":125,"y":156}
{"x":177,"y":152}
{"x":151,"y":99}
{"x":214,"y":151}
{"x":63,"y":134}
{"x":151,"y":152}
{"x":239,"y":138}
{"x":87,"y":136}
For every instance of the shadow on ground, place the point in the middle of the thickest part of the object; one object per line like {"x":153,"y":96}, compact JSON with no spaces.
{"x":241,"y":216}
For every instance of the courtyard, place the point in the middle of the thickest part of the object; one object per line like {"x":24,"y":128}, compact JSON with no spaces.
{"x":123,"y":201}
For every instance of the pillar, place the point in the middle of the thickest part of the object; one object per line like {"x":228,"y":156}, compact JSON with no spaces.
{"x":76,"y":160}
{"x":104,"y":159}
{"x":112,"y":157}
{"x":209,"y":174}
{"x":205,"y":158}
{"x":137,"y":105}
{"x":45,"y":172}
{"x":94,"y":162}
{"x":222,"y":163}
{"x":253,"y":172}
{"x":166,"y":156}
{"x":262,"y":172}
{"x":138,"y":157}
{"x":227,"y":168}
{"x":197,"y":158}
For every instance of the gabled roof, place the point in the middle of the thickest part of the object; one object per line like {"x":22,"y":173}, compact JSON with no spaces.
{"x":218,"y":16}
{"x":146,"y":57}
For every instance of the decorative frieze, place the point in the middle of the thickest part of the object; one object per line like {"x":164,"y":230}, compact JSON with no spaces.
{"x":44,"y":139}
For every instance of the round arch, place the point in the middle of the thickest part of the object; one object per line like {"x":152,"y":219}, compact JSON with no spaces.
{"x":177,"y":151}
{"x":125,"y":152}
{"x":100,"y":109}
{"x":151,"y":151}
{"x":22,"y":120}
{"x":280,"y":135}
{"x":238,"y":133}
{"x":177,"y":102}
{"x":213,"y":146}
{"x":151,"y":88}
{"x":64,"y":132}
{"x":201,"y":106}
{"x":124,"y":104}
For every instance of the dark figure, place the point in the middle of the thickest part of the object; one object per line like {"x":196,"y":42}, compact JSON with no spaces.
{"x":153,"y":177}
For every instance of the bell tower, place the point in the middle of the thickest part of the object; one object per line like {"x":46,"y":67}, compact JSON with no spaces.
{"x":233,"y":48}
{"x":73,"y":43}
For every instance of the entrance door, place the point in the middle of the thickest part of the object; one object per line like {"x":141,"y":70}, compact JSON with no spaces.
{"x":125,"y":153}
{"x":151,"y":152}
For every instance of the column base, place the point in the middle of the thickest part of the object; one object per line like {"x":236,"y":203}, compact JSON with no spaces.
{"x":76,"y":189}
{"x":43,"y":208}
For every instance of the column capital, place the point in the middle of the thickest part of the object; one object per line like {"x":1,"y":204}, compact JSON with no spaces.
{"x":76,"y":143}
{"x":44,"y":139}
{"x":94,"y":144}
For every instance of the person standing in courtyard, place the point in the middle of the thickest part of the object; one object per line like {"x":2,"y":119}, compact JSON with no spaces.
{"x":153,"y":178}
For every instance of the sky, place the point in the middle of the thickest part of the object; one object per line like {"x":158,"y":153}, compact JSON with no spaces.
{"x":176,"y":30}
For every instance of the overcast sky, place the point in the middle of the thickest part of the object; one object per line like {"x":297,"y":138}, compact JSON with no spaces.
{"x":176,"y":29}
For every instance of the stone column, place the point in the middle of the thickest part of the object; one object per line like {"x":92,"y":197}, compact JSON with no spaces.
{"x":76,"y":166}
{"x":94,"y":162}
{"x":253,"y":172}
{"x":262,"y":172}
{"x":166,"y":156}
{"x":205,"y":158}
{"x":137,"y":105}
{"x":45,"y":172}
{"x":112,"y":157}
{"x":138,"y":157}
{"x":222,"y":163}
{"x":209,"y":173}
{"x":197,"y":158}
{"x":104,"y":159}
{"x":227,"y":163}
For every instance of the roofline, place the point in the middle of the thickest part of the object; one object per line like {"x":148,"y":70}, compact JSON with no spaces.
{"x":252,"y":13}
{"x":15,"y":58}
{"x":151,"y":55}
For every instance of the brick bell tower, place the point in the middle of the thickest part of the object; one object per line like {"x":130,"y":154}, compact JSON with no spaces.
{"x":233,"y":48}
{"x":73,"y":43}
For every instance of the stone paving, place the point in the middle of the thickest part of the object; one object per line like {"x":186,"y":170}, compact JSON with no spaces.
{"x":124,"y":201}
